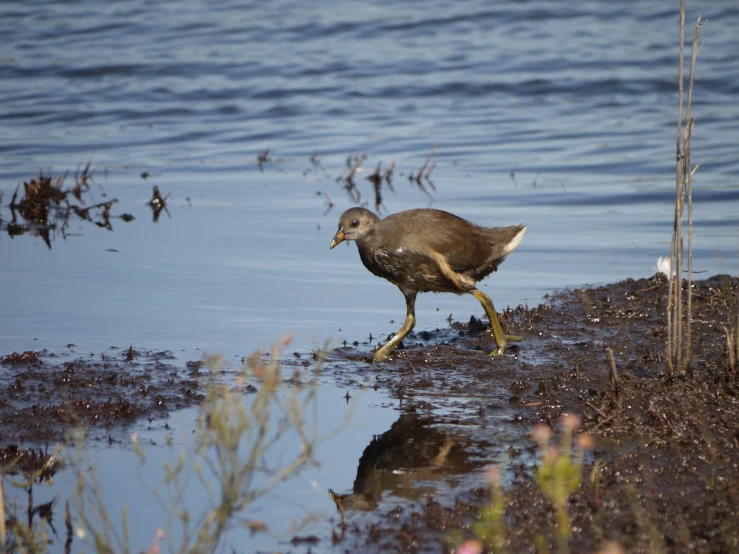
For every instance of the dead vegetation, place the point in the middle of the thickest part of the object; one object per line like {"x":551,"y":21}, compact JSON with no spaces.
{"x":381,"y":178}
{"x":158,"y":203}
{"x":679,"y":307}
{"x":263,"y":157}
{"x":47,"y":207}
{"x":27,"y":530}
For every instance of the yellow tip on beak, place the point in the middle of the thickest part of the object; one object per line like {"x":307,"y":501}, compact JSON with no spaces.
{"x":338,"y":237}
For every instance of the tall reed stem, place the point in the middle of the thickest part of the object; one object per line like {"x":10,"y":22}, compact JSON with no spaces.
{"x":678,"y":323}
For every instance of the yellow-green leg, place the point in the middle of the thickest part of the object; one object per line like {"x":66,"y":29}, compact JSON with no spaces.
{"x":501,"y":339}
{"x":410,"y":321}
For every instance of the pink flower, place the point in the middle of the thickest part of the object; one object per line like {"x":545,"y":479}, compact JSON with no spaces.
{"x":541,"y":434}
{"x":470,"y":547}
{"x":570,"y":422}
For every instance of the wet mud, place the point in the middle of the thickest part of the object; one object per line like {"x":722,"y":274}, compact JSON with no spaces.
{"x":664,"y":473}
{"x":45,"y":395}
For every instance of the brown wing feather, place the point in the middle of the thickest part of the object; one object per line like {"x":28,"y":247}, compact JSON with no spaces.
{"x":462,"y":243}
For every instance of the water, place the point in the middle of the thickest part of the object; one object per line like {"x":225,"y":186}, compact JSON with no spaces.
{"x":121,"y":478}
{"x":580,"y":104}
{"x":561,"y":117}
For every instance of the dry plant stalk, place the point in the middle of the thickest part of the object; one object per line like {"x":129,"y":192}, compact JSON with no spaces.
{"x":16,"y":534}
{"x":730,"y":347}
{"x":228,"y":458}
{"x":613,"y":374}
{"x":679,"y":333}
{"x":732,"y":341}
{"x":736,"y":337}
{"x":3,"y":532}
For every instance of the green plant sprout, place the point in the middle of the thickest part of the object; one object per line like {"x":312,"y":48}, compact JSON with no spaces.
{"x":559,"y":473}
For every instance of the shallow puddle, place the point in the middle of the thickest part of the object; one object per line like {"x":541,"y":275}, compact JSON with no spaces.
{"x":122,"y":479}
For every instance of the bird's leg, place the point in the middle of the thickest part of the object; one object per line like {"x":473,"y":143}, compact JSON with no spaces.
{"x":410,"y":321}
{"x":501,"y":339}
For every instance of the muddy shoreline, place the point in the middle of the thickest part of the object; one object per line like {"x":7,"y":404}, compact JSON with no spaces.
{"x":664,"y":471}
{"x":47,"y":394}
{"x":662,"y":477}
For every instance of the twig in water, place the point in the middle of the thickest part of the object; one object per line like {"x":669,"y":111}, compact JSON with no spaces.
{"x":376,"y":177}
{"x":354,"y":163}
{"x":423,"y":171}
{"x":329,"y":204}
{"x":263,"y":157}
{"x":82,"y":180}
{"x":358,"y":160}
{"x":158,"y":203}
{"x":376,"y":180}
{"x":83,"y":212}
{"x":389,"y":173}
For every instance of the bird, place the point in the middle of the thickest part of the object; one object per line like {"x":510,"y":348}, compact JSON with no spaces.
{"x":428,"y":250}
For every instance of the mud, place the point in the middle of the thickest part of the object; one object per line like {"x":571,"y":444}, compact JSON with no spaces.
{"x":45,"y":395}
{"x":664,"y":475}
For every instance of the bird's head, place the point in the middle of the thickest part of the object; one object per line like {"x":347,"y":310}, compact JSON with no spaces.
{"x":354,"y":224}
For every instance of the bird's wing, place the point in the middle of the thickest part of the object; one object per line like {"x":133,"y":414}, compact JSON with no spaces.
{"x":463,"y":245}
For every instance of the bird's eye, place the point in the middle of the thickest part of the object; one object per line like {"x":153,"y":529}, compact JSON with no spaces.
{"x":355,"y":223}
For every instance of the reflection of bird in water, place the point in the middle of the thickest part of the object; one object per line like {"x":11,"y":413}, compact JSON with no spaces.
{"x":427,"y":250}
{"x":411,"y":449}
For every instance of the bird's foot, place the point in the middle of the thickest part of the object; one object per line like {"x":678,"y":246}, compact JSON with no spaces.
{"x":500,"y":349}
{"x":379,"y":357}
{"x":382,"y":353}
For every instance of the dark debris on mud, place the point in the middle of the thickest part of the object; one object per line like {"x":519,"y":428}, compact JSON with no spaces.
{"x":45,"y":395}
{"x":664,"y":475}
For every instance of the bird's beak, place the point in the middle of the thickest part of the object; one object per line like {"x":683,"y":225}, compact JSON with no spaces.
{"x":338,"y":237}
